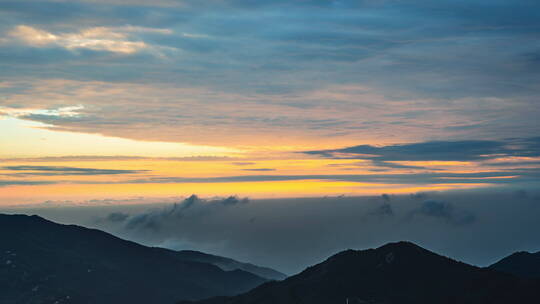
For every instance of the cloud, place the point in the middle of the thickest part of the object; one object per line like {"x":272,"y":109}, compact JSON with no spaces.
{"x":506,"y":177}
{"x":495,"y":177}
{"x":191,"y":208}
{"x":55,"y":170}
{"x":514,"y":164}
{"x":476,"y":226}
{"x":325,"y":72}
{"x":390,"y":165}
{"x":24,"y":183}
{"x":115,"y":40}
{"x":116,"y":217}
{"x":138,"y":203}
{"x":419,"y":195}
{"x":243,"y":163}
{"x":445,"y":210}
{"x":76,"y":158}
{"x":465,"y":150}
{"x":259,"y":169}
{"x":383,"y":210}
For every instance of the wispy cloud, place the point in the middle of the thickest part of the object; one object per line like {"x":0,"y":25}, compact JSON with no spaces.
{"x":243,"y":163}
{"x":115,"y":40}
{"x":25,"y":183}
{"x":491,"y":177}
{"x":466,"y":150}
{"x":78,"y":158}
{"x":53,"y":170}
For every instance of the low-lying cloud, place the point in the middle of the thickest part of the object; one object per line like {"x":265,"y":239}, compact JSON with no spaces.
{"x":158,"y":220}
{"x":477,"y":226}
{"x":446,"y":211}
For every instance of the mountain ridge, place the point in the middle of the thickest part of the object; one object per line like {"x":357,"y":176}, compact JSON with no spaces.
{"x":228,"y":264}
{"x":42,"y":261}
{"x":522,"y":264}
{"x":399,"y":272}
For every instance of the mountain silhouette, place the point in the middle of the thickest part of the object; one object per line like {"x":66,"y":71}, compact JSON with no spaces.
{"x":45,"y":262}
{"x":394,"y":273}
{"x":230,"y":264}
{"x":521,"y":264}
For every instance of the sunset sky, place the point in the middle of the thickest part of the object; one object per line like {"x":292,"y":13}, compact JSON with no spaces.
{"x":114,"y":99}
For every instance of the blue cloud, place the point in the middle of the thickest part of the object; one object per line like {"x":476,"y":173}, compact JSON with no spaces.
{"x":54,"y":170}
{"x":24,"y":183}
{"x":465,"y":150}
{"x":446,"y":211}
{"x":516,"y":176}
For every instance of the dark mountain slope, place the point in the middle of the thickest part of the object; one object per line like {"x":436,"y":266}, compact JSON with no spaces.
{"x":521,"y":264}
{"x":45,"y":262}
{"x":395,"y":273}
{"x":230,"y":264}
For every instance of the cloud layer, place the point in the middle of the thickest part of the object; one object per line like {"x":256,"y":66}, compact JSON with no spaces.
{"x":289,"y":234}
{"x":242,"y":73}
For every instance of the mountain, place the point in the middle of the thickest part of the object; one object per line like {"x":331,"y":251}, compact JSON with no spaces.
{"x":230,"y":264}
{"x":395,"y":273}
{"x":521,"y":264}
{"x":45,"y":262}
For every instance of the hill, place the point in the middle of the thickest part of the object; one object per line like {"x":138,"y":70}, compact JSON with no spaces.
{"x":521,"y":264}
{"x":45,"y":262}
{"x":395,"y":273}
{"x":230,"y":264}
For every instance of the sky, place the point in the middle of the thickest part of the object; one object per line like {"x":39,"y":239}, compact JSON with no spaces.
{"x":129,"y":103}
{"x":127,"y":98}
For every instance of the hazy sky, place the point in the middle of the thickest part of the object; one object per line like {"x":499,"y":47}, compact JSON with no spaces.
{"x":475,"y":226}
{"x":121,"y":99}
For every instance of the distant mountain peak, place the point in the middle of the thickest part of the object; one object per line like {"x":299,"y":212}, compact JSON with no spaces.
{"x":402,"y":246}
{"x":230,"y":264}
{"x":522,"y":264}
{"x":390,"y":253}
{"x":395,"y":273}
